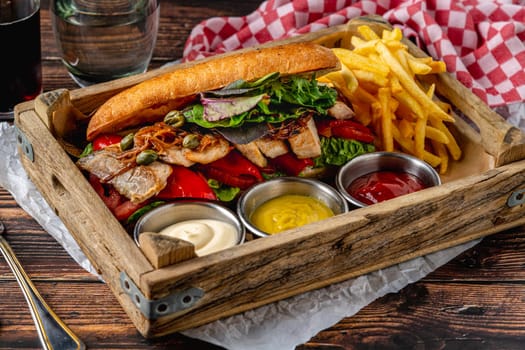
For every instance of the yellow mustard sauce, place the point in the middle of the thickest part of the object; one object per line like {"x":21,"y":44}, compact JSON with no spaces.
{"x":289,"y":211}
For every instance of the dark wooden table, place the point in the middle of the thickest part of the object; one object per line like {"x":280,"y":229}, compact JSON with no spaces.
{"x":477,"y":301}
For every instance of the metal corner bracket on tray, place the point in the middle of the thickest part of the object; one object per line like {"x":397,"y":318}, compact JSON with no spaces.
{"x":153,"y":309}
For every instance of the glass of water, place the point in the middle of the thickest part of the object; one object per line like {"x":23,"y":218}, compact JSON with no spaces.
{"x":102,"y":40}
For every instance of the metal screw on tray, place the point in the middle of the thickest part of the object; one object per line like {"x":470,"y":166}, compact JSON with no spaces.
{"x":53,"y":333}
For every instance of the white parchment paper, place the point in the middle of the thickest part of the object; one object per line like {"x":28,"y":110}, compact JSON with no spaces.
{"x":281,"y":325}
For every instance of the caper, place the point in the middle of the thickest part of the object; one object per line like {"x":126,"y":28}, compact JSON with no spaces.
{"x":175,"y":119}
{"x":127,"y":142}
{"x":147,"y":157}
{"x":190,"y":141}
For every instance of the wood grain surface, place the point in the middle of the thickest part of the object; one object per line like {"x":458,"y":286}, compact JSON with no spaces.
{"x":477,"y":301}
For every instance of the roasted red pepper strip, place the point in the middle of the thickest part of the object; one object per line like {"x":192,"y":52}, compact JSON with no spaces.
{"x":350,"y":123}
{"x":108,"y":194}
{"x":349,"y":132}
{"x":233,"y":170}
{"x":182,"y":183}
{"x":103,"y":141}
{"x":346,"y":129}
{"x":323,"y":127}
{"x":119,"y":205}
{"x":185,"y":183}
{"x":124,"y":210}
{"x":290,"y":164}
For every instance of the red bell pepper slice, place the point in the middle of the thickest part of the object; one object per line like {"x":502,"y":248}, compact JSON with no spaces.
{"x":346,"y":129}
{"x":185,"y":183}
{"x":346,"y":132}
{"x":126,"y":208}
{"x":290,"y":164}
{"x":105,"y":140}
{"x":323,"y":127}
{"x":120,"y":206}
{"x":182,"y":183}
{"x":108,"y":194}
{"x":233,"y":170}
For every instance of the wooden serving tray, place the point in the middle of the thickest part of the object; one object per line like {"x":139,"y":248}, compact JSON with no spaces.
{"x":483,"y":194}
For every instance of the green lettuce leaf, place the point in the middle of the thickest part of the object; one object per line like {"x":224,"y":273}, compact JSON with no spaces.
{"x":139,"y":212}
{"x":223,"y":192}
{"x":338,"y":151}
{"x":87,"y":150}
{"x":289,"y":98}
{"x":215,"y":109}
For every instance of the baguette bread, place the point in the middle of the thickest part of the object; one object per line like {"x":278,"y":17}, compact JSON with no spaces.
{"x":150,"y":100}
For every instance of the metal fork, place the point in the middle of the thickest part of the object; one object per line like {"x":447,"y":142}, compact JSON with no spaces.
{"x":53,"y":333}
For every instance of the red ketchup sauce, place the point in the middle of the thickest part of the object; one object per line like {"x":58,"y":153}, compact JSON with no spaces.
{"x":382,"y":185}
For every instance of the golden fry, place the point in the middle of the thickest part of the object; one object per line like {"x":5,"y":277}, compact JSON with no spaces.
{"x":432,"y":159}
{"x":369,"y":86}
{"x":394,"y":105}
{"x":353,"y":60}
{"x":392,"y":35}
{"x":418,"y":67}
{"x":435,"y":66}
{"x":350,"y":79}
{"x":406,"y":128}
{"x":395,"y":85}
{"x":408,"y":146}
{"x":405,"y":113}
{"x":344,"y":80}
{"x":425,"y":60}
{"x":430,"y":91}
{"x":442,"y":153}
{"x":452,"y":145}
{"x":367,"y":33}
{"x":377,"y":113}
{"x":362,"y":111}
{"x":436,"y":135}
{"x":444,"y":106}
{"x":438,"y":67}
{"x":395,"y":45}
{"x":408,"y":82}
{"x":419,"y":137}
{"x":386,"y":119}
{"x":363,"y":47}
{"x":407,"y":100}
{"x":401,"y":57}
{"x":364,"y":76}
{"x":365,"y":96}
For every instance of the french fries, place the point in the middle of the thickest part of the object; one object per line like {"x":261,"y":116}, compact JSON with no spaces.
{"x":379,"y":78}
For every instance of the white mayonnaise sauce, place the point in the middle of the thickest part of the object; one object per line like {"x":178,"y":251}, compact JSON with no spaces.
{"x":207,"y":235}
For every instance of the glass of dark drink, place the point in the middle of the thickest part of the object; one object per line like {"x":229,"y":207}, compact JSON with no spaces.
{"x":20,"y":61}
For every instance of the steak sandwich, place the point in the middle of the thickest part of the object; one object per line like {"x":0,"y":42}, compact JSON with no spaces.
{"x":152,"y":99}
{"x":214,"y":128}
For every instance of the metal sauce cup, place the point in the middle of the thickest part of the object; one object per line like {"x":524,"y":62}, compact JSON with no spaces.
{"x":383,"y":161}
{"x":171,"y":213}
{"x":264,"y":191}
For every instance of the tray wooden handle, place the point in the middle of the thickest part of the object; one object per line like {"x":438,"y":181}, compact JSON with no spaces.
{"x":58,"y":113}
{"x":502,"y":140}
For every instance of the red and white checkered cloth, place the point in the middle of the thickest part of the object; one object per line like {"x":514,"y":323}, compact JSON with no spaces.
{"x":482,"y":42}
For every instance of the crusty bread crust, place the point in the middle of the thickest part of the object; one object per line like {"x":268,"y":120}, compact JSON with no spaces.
{"x":150,"y":100}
